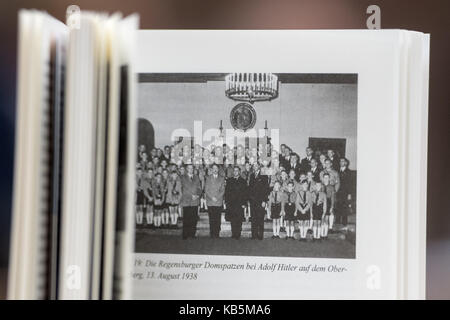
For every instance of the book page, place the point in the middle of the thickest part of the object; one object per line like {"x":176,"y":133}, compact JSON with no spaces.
{"x":267,"y":165}
{"x":36,"y":201}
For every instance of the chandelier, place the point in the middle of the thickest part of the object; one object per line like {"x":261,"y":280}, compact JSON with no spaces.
{"x":251,"y":87}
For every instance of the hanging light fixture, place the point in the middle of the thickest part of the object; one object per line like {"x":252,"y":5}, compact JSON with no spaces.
{"x":251,"y":87}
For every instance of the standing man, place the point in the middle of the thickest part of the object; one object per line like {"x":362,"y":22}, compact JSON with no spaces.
{"x":214,"y":192}
{"x":305,"y":164}
{"x":191,"y":190}
{"x":344,"y":196}
{"x":315,"y":170}
{"x":281,"y":155}
{"x":286,"y":160}
{"x":139,"y":195}
{"x":258,"y":192}
{"x":294,"y":165}
{"x":235,"y":200}
{"x":167,"y":154}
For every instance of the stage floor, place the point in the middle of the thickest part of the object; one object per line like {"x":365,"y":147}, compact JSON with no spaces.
{"x":340,"y":243}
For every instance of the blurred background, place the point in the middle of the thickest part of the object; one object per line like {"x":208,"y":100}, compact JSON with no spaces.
{"x":430,"y":16}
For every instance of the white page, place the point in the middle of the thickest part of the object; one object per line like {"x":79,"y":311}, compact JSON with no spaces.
{"x":374,"y":56}
{"x":79,"y":163}
{"x":30,"y":248}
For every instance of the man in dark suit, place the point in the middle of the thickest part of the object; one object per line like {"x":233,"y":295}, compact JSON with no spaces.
{"x":294,"y":165}
{"x":166,"y":154}
{"x":214,"y":192}
{"x":286,"y":159}
{"x":235,"y":200}
{"x":258,"y":192}
{"x":305,"y":164}
{"x":315,"y":170}
{"x":345,"y":195}
{"x":281,"y":154}
{"x":191,"y":190}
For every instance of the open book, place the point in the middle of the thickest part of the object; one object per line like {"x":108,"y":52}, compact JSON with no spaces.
{"x":272,"y":164}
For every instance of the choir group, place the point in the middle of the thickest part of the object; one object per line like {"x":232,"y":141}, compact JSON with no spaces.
{"x":315,"y":193}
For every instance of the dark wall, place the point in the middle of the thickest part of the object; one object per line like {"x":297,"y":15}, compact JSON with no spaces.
{"x":426,"y":16}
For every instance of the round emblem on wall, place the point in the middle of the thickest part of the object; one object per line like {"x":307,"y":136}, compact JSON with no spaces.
{"x":243,"y":116}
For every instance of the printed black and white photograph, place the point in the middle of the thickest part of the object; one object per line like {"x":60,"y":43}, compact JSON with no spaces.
{"x":247,"y":164}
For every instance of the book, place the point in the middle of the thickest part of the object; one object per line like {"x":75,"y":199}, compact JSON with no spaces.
{"x":218,"y":164}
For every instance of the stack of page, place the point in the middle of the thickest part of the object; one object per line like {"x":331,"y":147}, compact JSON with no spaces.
{"x":272,"y":164}
{"x":74,"y":169}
